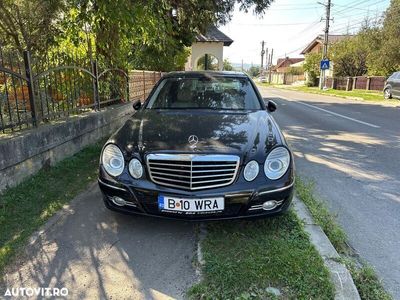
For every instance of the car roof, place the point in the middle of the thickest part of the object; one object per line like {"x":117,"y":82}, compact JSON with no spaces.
{"x":199,"y":74}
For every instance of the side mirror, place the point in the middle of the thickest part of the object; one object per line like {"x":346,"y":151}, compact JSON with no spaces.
{"x":271,"y":106}
{"x":137,"y":104}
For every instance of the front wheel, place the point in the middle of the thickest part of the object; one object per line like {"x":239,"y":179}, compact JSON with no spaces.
{"x":387,"y":93}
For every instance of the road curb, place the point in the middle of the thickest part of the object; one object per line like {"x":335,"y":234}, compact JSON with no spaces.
{"x":340,"y":275}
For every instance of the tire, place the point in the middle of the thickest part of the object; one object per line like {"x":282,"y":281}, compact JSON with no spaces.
{"x":387,"y":93}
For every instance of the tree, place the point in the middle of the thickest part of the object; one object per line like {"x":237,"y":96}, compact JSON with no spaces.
{"x":254,"y":71}
{"x":311,"y":66}
{"x":295,"y":70}
{"x":30,"y":24}
{"x":155,"y":33}
{"x":227,"y":65}
{"x":148,"y":34}
{"x":349,"y":57}
{"x":212,"y":63}
{"x":385,"y":59}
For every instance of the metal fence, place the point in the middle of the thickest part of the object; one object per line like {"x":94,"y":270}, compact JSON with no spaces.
{"x":35,"y":91}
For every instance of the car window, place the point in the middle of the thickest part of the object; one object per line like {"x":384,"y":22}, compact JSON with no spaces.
{"x":395,"y":76}
{"x":205,"y":93}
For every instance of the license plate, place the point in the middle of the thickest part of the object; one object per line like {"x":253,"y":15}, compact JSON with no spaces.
{"x":190,"y":205}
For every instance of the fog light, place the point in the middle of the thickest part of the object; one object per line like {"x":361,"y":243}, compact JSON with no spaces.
{"x":118,"y":201}
{"x":269,"y":205}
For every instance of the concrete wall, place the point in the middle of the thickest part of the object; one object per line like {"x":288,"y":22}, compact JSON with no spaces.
{"x":29,"y":151}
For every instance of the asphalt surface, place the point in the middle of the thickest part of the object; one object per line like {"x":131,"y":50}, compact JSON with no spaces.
{"x":351,"y":150}
{"x":99,"y":254}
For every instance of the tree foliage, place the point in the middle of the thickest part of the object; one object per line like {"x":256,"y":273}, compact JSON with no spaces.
{"x":151,"y":34}
{"x":227,"y":65}
{"x":349,"y":57}
{"x":386,"y":41}
{"x":212,"y":63}
{"x":295,"y":70}
{"x":311,"y":66}
{"x":30,"y":24}
{"x":374,"y":50}
{"x":254,"y":71}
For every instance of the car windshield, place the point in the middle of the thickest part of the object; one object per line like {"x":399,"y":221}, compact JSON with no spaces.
{"x":205,"y":93}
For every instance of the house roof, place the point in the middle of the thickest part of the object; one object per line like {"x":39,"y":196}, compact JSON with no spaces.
{"x":213,"y":34}
{"x":333,"y":38}
{"x":287,"y":61}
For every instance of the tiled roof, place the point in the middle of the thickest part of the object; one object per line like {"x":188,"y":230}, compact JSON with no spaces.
{"x":287,"y":61}
{"x":213,"y":34}
{"x":333,"y":38}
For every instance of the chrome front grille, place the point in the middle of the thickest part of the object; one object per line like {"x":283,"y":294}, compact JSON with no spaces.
{"x":192,"y":171}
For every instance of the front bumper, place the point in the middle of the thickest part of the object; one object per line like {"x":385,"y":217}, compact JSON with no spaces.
{"x":242,"y":199}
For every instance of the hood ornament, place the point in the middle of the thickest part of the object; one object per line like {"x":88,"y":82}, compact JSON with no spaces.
{"x":193,"y":140}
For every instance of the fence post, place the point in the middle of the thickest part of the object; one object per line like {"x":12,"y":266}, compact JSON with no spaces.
{"x":128,"y":96}
{"x":348,"y":84}
{"x":354,"y":83}
{"x":368,"y":87}
{"x":31,"y":91}
{"x":144,"y":86}
{"x":154,"y":77}
{"x":96,"y":85}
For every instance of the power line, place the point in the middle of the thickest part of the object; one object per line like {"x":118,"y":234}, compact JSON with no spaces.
{"x":359,"y":8}
{"x":357,"y":4}
{"x":272,"y":24}
{"x":356,"y":24}
{"x":294,"y":8}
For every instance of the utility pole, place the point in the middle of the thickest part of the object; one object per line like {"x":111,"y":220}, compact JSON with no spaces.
{"x":270,"y":65}
{"x":266,"y":59}
{"x":262,"y":56}
{"x":242,"y":64}
{"x":326,"y":41}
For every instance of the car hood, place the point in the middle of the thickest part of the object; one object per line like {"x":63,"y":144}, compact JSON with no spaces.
{"x":244,"y":133}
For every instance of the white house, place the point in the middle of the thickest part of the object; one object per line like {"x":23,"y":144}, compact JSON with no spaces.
{"x":210,"y":46}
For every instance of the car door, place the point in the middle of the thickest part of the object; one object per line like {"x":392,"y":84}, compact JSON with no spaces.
{"x":396,"y":85}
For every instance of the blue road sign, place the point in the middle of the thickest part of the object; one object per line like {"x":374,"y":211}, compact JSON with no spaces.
{"x":325,"y":64}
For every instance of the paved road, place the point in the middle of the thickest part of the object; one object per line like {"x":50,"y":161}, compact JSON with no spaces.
{"x":352,"y":152}
{"x":98,"y":254}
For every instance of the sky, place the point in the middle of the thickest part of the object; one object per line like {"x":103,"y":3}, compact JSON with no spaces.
{"x":289,"y":25}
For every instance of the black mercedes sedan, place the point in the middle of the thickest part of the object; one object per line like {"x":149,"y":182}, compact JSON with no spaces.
{"x":203,"y":146}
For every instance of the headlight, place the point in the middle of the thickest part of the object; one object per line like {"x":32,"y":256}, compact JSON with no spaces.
{"x":135,"y":168}
{"x":113,"y":160}
{"x":251,"y":170}
{"x":277,"y":163}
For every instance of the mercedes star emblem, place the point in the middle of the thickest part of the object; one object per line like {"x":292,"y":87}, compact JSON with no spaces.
{"x":193,"y":140}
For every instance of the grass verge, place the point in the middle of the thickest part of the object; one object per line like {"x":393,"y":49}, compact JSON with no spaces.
{"x":244,"y":258}
{"x":367,"y":282}
{"x":373,"y":96}
{"x":24,"y":208}
{"x":322,"y":216}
